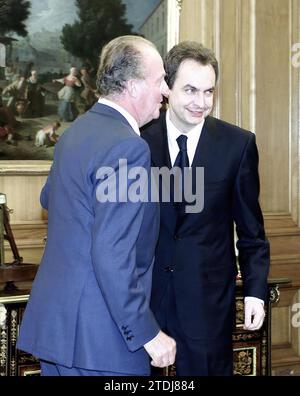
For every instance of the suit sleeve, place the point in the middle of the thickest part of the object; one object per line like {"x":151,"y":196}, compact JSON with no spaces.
{"x":253,"y":247}
{"x":44,"y":197}
{"x":116,"y":229}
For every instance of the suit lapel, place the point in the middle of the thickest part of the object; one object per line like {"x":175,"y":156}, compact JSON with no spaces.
{"x":206,"y":143}
{"x":204,"y":156}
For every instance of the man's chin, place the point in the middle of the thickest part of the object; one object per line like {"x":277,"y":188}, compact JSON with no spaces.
{"x":156,"y":114}
{"x":195,"y":120}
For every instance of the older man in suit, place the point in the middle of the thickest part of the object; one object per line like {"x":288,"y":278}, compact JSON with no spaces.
{"x":88,"y":312}
{"x":193,"y":295}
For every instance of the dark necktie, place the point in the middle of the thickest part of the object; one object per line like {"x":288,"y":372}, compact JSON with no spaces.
{"x":182,"y":161}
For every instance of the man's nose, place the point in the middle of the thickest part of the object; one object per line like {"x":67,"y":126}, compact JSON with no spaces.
{"x":199,"y":100}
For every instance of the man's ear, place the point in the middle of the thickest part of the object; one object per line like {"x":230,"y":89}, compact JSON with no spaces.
{"x":132,"y":88}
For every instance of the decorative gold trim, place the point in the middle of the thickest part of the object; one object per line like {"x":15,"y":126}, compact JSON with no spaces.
{"x":14,"y":299}
{"x":245,"y":361}
{"x":245,"y":336}
{"x":3,"y":351}
{"x":28,"y":373}
{"x":239,"y":319}
{"x":264,"y":354}
{"x":13,"y":367}
{"x":27,"y":359}
{"x":13,"y":327}
{"x":170,"y":371}
{"x":274,"y":294}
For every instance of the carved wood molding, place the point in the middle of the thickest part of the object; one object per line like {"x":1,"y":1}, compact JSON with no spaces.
{"x":285,"y":259}
{"x":179,"y":4}
{"x":16,"y":168}
{"x":28,"y":225}
{"x":287,"y":358}
{"x":280,"y":224}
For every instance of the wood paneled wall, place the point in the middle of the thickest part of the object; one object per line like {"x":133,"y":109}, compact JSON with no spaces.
{"x":259,"y":90}
{"x":22,"y":182}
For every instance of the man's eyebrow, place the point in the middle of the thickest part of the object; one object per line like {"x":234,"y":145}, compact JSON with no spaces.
{"x":197,"y":89}
{"x":190,"y":86}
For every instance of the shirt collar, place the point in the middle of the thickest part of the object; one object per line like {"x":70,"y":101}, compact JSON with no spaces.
{"x":132,"y":122}
{"x":174,"y":132}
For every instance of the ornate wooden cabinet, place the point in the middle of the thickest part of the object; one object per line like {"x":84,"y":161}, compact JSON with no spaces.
{"x":12,"y":361}
{"x":251,"y":349}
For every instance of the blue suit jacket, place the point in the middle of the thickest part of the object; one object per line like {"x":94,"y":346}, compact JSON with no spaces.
{"x":199,"y":247}
{"x":89,"y":304}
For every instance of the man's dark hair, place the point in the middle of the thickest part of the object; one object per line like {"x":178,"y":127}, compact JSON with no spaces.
{"x":188,"y":50}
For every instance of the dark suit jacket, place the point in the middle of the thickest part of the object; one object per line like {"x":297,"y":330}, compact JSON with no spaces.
{"x":199,"y":247}
{"x":89,"y":304}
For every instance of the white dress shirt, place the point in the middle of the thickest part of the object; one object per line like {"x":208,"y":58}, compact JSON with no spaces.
{"x":193,"y":138}
{"x":132,"y":122}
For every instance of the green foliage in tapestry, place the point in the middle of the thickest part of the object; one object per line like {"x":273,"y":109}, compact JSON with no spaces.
{"x":13,"y":14}
{"x":98,"y":22}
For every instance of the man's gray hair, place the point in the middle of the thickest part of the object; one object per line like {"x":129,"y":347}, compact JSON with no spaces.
{"x":120,"y":61}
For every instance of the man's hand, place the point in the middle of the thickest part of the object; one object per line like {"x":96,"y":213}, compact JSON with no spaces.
{"x":254,"y":314}
{"x":2,"y":315}
{"x":162,"y":350}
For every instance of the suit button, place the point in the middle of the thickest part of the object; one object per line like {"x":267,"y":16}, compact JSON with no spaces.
{"x":177,"y":238}
{"x":169,"y":269}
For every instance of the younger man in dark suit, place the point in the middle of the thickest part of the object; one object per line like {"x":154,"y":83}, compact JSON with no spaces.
{"x":193,"y":292}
